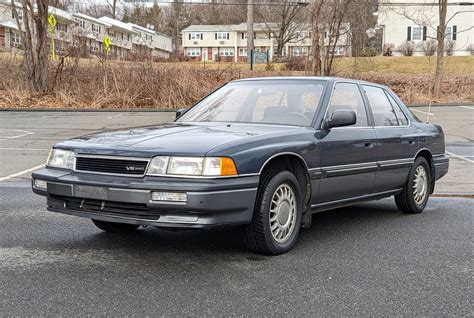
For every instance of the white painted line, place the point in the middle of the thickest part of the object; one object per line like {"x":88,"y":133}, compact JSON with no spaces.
{"x":420,"y":111}
{"x":467,"y":107}
{"x":459,"y":157}
{"x":28,"y":149}
{"x":115,"y":116}
{"x":23,"y":133}
{"x":22,"y":173}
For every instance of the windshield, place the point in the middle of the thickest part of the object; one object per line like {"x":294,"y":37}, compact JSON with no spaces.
{"x":286,"y":102}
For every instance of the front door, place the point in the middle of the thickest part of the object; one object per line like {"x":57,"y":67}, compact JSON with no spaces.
{"x":204,"y":54}
{"x":347,"y":154}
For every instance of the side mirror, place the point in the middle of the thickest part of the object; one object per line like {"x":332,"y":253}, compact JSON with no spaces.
{"x":181,"y":112}
{"x":340,"y":118}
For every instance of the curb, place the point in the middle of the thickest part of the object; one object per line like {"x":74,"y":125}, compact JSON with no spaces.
{"x":131,"y":110}
{"x":453,"y":195}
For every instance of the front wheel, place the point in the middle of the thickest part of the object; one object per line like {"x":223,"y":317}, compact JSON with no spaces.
{"x":277,"y":215}
{"x":115,"y":227}
{"x":416,"y":192}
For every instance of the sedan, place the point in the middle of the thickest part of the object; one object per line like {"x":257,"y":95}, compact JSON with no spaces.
{"x":262,"y":154}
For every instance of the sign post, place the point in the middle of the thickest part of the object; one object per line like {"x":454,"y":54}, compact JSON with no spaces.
{"x":52,"y":29}
{"x":107,"y":43}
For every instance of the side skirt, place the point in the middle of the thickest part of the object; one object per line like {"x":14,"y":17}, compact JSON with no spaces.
{"x":347,"y":202}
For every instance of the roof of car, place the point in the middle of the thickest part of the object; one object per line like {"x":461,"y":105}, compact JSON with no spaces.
{"x":320,"y":78}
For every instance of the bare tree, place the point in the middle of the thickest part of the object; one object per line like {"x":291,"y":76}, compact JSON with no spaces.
{"x":33,"y":31}
{"x":284,"y":22}
{"x":250,"y":12}
{"x":443,"y":9}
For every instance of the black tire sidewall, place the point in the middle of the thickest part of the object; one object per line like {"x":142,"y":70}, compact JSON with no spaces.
{"x":281,"y":178}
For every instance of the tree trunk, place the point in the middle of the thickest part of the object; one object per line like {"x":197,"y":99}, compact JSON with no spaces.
{"x":41,"y":47}
{"x":250,"y":46}
{"x":443,"y":7}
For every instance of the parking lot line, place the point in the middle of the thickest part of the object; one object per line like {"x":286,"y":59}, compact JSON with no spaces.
{"x":22,"y":172}
{"x":29,"y":149}
{"x":459,"y":157}
{"x":23,"y":133}
{"x":420,"y":111}
{"x":467,"y":107}
{"x":115,"y":116}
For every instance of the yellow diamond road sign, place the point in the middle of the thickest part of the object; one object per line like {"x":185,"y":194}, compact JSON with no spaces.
{"x":107,"y":43}
{"x":52,"y":21}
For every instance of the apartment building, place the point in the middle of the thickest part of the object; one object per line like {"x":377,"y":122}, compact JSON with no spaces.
{"x":81,"y":35}
{"x":418,"y":24}
{"x":229,"y":42}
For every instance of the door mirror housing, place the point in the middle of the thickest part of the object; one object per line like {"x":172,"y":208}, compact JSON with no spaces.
{"x":181,"y":112}
{"x":341,"y":118}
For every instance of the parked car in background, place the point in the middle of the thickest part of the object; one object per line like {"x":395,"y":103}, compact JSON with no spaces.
{"x":261,"y":153}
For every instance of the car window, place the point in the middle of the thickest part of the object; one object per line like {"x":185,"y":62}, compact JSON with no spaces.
{"x":288,"y":102}
{"x":383,"y":112}
{"x":402,"y":119}
{"x":347,"y":96}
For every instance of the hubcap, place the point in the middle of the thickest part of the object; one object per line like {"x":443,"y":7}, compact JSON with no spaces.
{"x":283,"y":213}
{"x":420,"y":185}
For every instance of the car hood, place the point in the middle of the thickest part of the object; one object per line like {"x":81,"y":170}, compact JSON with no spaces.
{"x":167,"y":139}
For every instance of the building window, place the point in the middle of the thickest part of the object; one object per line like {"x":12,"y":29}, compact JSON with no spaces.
{"x":416,"y":33}
{"x":227,"y":51}
{"x":194,"y":51}
{"x":95,"y":28}
{"x":300,"y":50}
{"x":242,"y":51}
{"x":20,"y":14}
{"x":339,"y":50}
{"x":61,"y":27}
{"x":222,"y":35}
{"x":244,"y":35}
{"x":450,"y":33}
{"x":128,"y":37}
{"x":195,"y":36}
{"x":15,"y":37}
{"x":82,"y":24}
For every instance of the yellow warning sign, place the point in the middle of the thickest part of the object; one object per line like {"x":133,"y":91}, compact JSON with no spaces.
{"x":52,"y":29}
{"x":107,"y":43}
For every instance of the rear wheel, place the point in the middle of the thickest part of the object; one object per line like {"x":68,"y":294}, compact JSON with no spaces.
{"x":415,"y":194}
{"x":277,"y":214}
{"x":115,"y":227}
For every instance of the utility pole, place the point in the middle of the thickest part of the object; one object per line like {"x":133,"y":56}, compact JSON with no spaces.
{"x":250,"y":32}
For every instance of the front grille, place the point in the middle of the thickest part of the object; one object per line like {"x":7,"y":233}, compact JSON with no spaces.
{"x":104,"y":207}
{"x":132,"y":167}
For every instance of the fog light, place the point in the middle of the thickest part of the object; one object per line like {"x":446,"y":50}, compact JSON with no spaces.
{"x":40,"y":184}
{"x":169,"y":196}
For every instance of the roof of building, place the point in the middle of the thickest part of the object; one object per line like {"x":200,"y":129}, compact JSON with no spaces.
{"x":59,"y":13}
{"x":9,"y":24}
{"x":242,"y":27}
{"x":141,"y":29}
{"x":92,"y":19}
{"x":118,"y":24}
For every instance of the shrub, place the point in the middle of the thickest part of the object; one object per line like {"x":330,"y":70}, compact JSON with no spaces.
{"x":449,"y":47}
{"x":296,"y":64}
{"x":429,"y":47}
{"x":368,"y":52}
{"x":407,"y":48}
{"x":388,"y":49}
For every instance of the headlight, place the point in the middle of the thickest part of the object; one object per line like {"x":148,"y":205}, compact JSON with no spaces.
{"x":60,"y":158}
{"x":192,"y":166}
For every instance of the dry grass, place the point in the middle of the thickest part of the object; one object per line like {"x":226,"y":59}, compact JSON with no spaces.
{"x":99,"y":84}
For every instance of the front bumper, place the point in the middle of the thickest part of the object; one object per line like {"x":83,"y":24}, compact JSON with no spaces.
{"x":210,"y":202}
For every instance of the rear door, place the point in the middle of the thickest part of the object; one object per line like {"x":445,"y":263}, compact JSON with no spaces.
{"x":397,"y":140}
{"x":347,"y":154}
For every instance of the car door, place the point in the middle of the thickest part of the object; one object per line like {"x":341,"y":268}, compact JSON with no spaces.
{"x":397,"y":140}
{"x":347,"y":154}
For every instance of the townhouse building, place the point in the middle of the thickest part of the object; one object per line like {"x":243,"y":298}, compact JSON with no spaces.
{"x":82,"y":35}
{"x":229,"y":42}
{"x":418,"y":25}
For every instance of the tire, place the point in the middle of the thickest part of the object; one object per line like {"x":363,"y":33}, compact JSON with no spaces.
{"x":115,"y":227}
{"x":281,"y":193}
{"x":407,"y":201}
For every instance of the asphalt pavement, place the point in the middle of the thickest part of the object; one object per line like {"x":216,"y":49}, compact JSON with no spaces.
{"x":366,"y":260}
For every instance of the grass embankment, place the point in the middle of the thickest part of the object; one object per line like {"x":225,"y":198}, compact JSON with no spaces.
{"x":118,"y":84}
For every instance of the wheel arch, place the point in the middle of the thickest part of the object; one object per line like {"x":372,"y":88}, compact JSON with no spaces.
{"x":426,"y":153}
{"x":296,"y":164}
